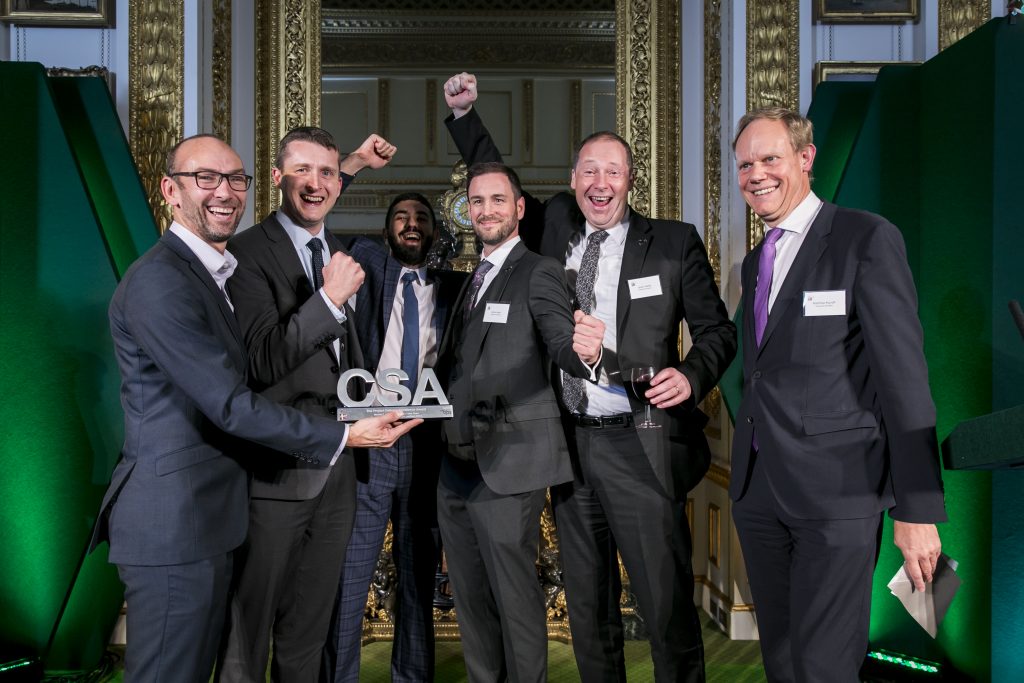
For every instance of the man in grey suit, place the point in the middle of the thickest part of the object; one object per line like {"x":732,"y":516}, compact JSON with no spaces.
{"x":300,"y":335}
{"x":177,"y":505}
{"x":837,"y":423}
{"x":505,"y":442}
{"x":628,"y":495}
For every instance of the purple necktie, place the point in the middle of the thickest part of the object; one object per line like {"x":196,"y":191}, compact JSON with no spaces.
{"x":474,"y":287}
{"x":764,"y":282}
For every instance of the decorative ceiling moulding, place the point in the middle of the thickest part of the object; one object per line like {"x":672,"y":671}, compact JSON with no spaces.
{"x":773,"y":63}
{"x":957,"y":18}
{"x":287,"y":82}
{"x":221,"y":69}
{"x":410,"y":39}
{"x":648,"y":101}
{"x":156,"y":98}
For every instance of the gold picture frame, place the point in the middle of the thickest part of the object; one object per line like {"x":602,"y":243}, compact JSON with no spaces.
{"x":849,"y":71}
{"x":92,"y":13}
{"x":865,"y":11}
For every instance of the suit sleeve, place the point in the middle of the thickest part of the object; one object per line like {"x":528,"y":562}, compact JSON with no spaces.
{"x":552,"y":313}
{"x":886,"y":306}
{"x":712,"y":333}
{"x":277,"y":342}
{"x":475,"y":146}
{"x":167,"y":315}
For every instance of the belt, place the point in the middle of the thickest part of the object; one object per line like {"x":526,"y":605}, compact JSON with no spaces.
{"x":602,"y":421}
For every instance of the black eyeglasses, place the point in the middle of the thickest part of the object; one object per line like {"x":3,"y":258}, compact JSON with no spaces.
{"x":211,"y":180}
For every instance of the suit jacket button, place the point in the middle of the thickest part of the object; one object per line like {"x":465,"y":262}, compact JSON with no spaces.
{"x":750,"y":420}
{"x":341,"y":346}
{"x":335,"y":368}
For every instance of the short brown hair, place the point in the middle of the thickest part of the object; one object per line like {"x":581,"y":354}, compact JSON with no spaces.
{"x":488,"y":167}
{"x":318,"y":136}
{"x":800,"y":128}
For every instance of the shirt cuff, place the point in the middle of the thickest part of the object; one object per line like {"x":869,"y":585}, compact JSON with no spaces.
{"x":337,"y":453}
{"x":339,"y":314}
{"x":593,"y":368}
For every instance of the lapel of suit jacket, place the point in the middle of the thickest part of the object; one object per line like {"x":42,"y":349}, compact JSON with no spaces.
{"x":810,"y":253}
{"x":392,"y":270}
{"x":634,"y":253}
{"x":175,"y":244}
{"x":351,"y":339}
{"x":442,"y":300}
{"x":496,"y":289}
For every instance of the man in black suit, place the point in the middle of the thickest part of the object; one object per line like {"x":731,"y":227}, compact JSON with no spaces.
{"x":505,"y":442}
{"x":402,"y":482}
{"x":629,"y":490}
{"x":177,"y":505}
{"x":836,"y":423}
{"x":297,"y":327}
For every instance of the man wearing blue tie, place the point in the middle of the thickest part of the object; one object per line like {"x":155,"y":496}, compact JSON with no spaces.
{"x":400,"y":313}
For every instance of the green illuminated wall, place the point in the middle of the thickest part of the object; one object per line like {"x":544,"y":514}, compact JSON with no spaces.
{"x":72,"y":216}
{"x":937,"y":149}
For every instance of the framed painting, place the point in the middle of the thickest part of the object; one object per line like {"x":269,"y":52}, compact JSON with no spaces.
{"x":58,"y":12}
{"x":865,"y":11}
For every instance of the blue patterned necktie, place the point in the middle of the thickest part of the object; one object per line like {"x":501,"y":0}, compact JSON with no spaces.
{"x":410,"y":329}
{"x":573,"y":389}
{"x":316,"y":249}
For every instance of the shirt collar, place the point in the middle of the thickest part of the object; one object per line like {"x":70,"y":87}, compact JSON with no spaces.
{"x":299,"y":236}
{"x":803,"y":215}
{"x":497,"y":257}
{"x":220,"y":266}
{"x":616,"y":233}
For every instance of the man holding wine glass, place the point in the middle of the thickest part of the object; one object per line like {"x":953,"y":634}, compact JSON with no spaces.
{"x":642,"y":278}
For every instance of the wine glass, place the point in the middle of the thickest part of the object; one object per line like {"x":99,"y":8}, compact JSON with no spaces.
{"x":639,"y":381}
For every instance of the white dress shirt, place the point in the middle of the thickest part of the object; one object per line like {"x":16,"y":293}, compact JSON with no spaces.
{"x":497,"y":259}
{"x":220,"y":266}
{"x":426,"y":298}
{"x":794,"y":232}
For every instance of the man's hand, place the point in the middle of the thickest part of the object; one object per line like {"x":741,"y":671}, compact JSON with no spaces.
{"x":587,"y":337}
{"x":375,"y":152}
{"x":920,"y":546}
{"x":668,"y":388}
{"x":460,"y":93}
{"x":379,"y":432}
{"x":342,"y":277}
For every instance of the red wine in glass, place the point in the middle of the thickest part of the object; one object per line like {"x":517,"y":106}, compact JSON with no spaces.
{"x":639,"y":381}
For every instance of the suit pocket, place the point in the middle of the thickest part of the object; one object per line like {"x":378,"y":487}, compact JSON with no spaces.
{"x":824,"y":423}
{"x":186,"y":457}
{"x":522,"y":412}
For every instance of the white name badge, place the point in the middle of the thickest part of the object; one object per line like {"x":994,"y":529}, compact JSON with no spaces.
{"x":495,"y":313}
{"x":832,"y":302}
{"x":643,"y":287}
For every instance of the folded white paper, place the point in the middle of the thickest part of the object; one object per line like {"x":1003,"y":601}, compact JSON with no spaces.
{"x":928,"y":608}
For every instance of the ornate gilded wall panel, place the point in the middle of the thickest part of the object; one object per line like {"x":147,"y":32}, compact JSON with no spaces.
{"x":957,"y":18}
{"x":713,"y":161}
{"x":773,"y":61}
{"x":221,"y":69}
{"x":287,"y":81}
{"x":156,"y":99}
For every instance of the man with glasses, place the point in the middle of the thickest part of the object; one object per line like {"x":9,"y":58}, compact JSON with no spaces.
{"x":290,"y":291}
{"x":177,"y":504}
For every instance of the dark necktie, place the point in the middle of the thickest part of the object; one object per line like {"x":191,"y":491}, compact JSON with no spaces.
{"x":765,"y":265}
{"x":474,"y":287}
{"x":410,"y":329}
{"x":573,"y":390}
{"x":315,"y":247}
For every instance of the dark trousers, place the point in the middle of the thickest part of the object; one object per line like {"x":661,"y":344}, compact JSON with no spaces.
{"x":617,"y":504}
{"x":175,"y":616}
{"x":811,"y":583}
{"x":491,"y":542}
{"x":286,"y":579}
{"x":403,"y":492}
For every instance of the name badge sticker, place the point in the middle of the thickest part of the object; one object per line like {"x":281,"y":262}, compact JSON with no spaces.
{"x":495,"y":312}
{"x":643,"y":287}
{"x":831,"y":302}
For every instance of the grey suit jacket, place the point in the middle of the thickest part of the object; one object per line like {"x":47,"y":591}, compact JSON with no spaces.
{"x":506,"y":412}
{"x":179,"y":493}
{"x":840,"y":403}
{"x":289,"y":334}
{"x":648,"y":328}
